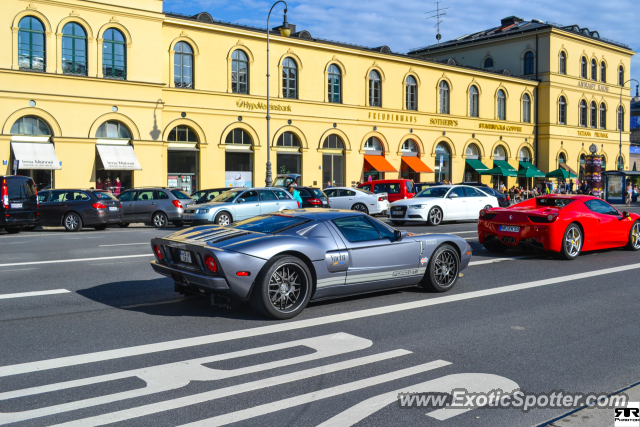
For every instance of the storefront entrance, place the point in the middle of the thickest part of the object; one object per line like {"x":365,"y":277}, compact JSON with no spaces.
{"x":37,"y":160}
{"x":332,"y":170}
{"x":238,"y":169}
{"x":115,"y":164}
{"x":182,"y":169}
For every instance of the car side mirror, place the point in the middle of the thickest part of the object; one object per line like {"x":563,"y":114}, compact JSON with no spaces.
{"x":625,"y":214}
{"x":453,"y":196}
{"x":398,"y":235}
{"x":241,"y":200}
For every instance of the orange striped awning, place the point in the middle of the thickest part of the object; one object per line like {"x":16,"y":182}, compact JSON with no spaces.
{"x":379,"y":163}
{"x":416,"y":164}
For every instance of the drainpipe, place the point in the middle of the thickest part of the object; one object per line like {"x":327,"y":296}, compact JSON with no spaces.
{"x":535,"y":121}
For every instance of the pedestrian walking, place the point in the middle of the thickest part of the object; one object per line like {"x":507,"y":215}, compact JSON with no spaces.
{"x":629,"y":195}
{"x":571,"y":186}
{"x":296,"y":194}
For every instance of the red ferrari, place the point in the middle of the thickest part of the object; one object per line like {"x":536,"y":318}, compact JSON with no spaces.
{"x":563,"y":224}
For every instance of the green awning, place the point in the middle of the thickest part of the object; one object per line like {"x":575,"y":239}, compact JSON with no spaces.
{"x":477,"y":165}
{"x":501,"y":168}
{"x":530,"y":171}
{"x":560,"y":173}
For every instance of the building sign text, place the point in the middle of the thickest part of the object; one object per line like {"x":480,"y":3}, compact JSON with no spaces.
{"x":443,"y":122}
{"x":403,"y":118}
{"x":241,"y":103}
{"x":493,"y":126}
{"x":596,"y":134}
{"x":593,"y":86}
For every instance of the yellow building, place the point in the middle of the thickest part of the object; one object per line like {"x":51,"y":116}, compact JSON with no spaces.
{"x":581,"y":76}
{"x":94,"y":91}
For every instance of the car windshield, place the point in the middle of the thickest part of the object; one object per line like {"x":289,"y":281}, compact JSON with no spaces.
{"x":433,"y":192}
{"x":103,"y":195}
{"x":271,"y":224}
{"x":553,"y":202}
{"x":198,"y":195}
{"x":181,"y":195}
{"x":228,"y":196}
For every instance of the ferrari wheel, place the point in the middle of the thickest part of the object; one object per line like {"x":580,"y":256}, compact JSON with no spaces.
{"x":572,"y":242}
{"x":283,"y":288}
{"x":443,"y":270}
{"x":398,"y":222}
{"x":435,"y":216}
{"x":634,"y":237}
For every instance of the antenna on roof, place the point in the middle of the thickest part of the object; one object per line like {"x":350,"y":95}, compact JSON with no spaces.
{"x":438,"y":14}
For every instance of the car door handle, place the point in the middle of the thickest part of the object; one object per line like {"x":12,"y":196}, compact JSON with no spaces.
{"x":277,"y":203}
{"x":153,"y":203}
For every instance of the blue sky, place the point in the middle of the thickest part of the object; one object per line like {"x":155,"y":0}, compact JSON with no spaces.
{"x":402,"y":25}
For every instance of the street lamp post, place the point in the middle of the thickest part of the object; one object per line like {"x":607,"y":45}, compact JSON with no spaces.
{"x":284,"y":32}
{"x":635,"y":99}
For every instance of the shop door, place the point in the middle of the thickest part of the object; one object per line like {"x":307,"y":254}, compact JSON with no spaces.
{"x":332,"y":170}
{"x":182,"y":170}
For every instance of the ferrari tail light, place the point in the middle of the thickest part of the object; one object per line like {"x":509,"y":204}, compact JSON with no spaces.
{"x":98,"y":206}
{"x":5,"y":194}
{"x":551,"y":218}
{"x":157,"y":251}
{"x":539,"y":219}
{"x":482,"y":213}
{"x":177,"y":204}
{"x":315,"y":201}
{"x":210,"y":263}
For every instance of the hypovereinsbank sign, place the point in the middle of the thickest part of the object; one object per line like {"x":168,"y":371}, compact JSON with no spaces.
{"x":241,"y":103}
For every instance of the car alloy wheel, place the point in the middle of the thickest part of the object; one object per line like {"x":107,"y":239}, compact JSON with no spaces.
{"x":159,"y":220}
{"x":572,"y":242}
{"x":634,"y":237}
{"x":445,"y":269}
{"x":72,"y":222}
{"x":287,"y":287}
{"x":360,"y":208}
{"x":435,"y":216}
{"x":223,"y":219}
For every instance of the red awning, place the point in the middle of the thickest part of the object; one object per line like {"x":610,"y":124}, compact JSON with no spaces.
{"x":379,"y":163}
{"x":416,"y":164}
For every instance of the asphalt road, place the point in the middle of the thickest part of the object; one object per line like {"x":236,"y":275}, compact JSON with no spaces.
{"x":96,"y":338}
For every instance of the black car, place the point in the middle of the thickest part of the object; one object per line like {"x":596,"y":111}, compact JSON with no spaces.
{"x":424,"y":185}
{"x":503,"y":199}
{"x":205,"y":196}
{"x":313,"y":197}
{"x":74,"y":209}
{"x":19,"y":204}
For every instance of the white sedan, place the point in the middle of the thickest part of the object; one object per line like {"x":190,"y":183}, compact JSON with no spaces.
{"x":442,"y":203}
{"x":358,"y":199}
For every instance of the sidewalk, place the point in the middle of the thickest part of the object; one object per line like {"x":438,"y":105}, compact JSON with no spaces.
{"x":594,"y":417}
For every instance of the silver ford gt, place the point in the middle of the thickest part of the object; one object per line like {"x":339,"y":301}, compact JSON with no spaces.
{"x":280,"y":262}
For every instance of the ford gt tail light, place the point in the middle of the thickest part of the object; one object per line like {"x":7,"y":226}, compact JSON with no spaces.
{"x":315,"y":201}
{"x":243,"y":273}
{"x":5,"y":194}
{"x":98,"y":206}
{"x":157,"y":251}
{"x":210,"y":263}
{"x":177,"y":204}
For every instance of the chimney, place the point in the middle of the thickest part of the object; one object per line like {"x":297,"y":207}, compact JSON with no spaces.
{"x":510,"y":20}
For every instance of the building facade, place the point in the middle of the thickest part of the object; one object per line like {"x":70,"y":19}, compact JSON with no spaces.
{"x":95,"y":93}
{"x":581,"y":76}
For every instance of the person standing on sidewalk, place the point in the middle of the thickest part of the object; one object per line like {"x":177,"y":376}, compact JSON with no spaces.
{"x":629,"y":195}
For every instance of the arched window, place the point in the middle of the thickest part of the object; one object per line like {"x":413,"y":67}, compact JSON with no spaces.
{"x":488,"y":63}
{"x":31,"y":51}
{"x":603,"y":116}
{"x":526,"y":108}
{"x":593,"y":112}
{"x":620,"y":118}
{"x":502,"y":105}
{"x":335,"y":84}
{"x":583,"y":113}
{"x":288,"y":139}
{"x":563,"y":63}
{"x":375,"y":92}
{"x":238,"y":136}
{"x":443,"y":157}
{"x":583,"y":67}
{"x":620,"y":76}
{"x":594,"y":70}
{"x":289,"y":78}
{"x":74,"y":49}
{"x":373,"y":144}
{"x":30,"y":125}
{"x":239,"y":72}
{"x":333,"y":142}
{"x":472,"y":152}
{"x":524,"y":155}
{"x":444,"y":97}
{"x":473,"y":101}
{"x":529,"y":66}
{"x":603,"y":72}
{"x":113,"y":129}
{"x":114,"y":61}
{"x":182,"y":133}
{"x":409,"y":146}
{"x":499,"y":153}
{"x":562,"y":111}
{"x":183,"y":65}
{"x":562,"y":158}
{"x":412,"y":94}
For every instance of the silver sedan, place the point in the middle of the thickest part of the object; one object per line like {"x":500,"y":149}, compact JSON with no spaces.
{"x":357,"y":199}
{"x":239,"y":204}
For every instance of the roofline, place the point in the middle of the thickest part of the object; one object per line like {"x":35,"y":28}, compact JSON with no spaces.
{"x":212,"y":25}
{"x":542,"y":28}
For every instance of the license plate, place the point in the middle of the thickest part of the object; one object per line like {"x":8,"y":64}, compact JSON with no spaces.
{"x":393,"y":213}
{"x":187,"y":216}
{"x":113,"y":208}
{"x":185,"y":256}
{"x":511,"y":228}
{"x":16,"y":205}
